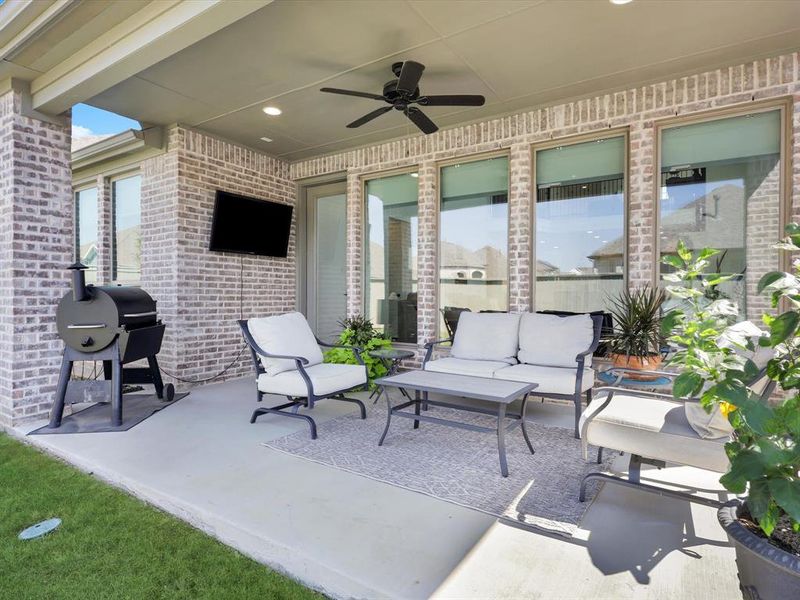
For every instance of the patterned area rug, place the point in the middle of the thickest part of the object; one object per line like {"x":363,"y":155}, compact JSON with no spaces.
{"x":461,"y":466}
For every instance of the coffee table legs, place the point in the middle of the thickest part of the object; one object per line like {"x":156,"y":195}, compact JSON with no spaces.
{"x":501,"y":439}
{"x":416,"y":408}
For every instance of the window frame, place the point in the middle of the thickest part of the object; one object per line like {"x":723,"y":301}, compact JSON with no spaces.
{"x":624,"y":133}
{"x":363,"y":180}
{"x":112,"y":193}
{"x":460,"y":160}
{"x":782,"y":104}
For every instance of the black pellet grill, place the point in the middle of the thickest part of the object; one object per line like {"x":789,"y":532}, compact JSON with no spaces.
{"x":113,"y":324}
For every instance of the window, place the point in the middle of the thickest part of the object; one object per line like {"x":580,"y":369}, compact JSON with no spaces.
{"x":391,"y":255}
{"x":718,"y":178}
{"x":580,"y":225}
{"x":86,"y":231}
{"x":127,"y":249}
{"x":473,"y":236}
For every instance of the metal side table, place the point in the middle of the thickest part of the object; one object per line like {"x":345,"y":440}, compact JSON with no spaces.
{"x":391,"y":358}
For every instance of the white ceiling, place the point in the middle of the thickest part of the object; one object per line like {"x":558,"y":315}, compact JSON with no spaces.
{"x":519,"y":54}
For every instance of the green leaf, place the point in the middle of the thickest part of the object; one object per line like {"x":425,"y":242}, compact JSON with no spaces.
{"x":787,"y":495}
{"x":784,"y":326}
{"x":768,"y":279}
{"x":745,"y":467}
{"x":687,"y":385}
{"x":759,"y":499}
{"x":683,"y":251}
{"x":707,"y":253}
{"x":671,"y":319}
{"x":671,"y":259}
{"x":757,"y":415}
{"x":731,"y":391}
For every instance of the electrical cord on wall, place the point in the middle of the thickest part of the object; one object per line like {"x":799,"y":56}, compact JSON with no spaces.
{"x":241,"y":350}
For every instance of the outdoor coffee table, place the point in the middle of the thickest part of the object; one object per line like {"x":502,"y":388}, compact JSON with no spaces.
{"x":498,"y":392}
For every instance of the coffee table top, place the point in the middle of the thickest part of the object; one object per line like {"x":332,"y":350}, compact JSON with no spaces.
{"x":480,"y":388}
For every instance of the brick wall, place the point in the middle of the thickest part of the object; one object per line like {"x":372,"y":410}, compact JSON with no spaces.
{"x":638,"y":109}
{"x":36,"y":246}
{"x":198,"y":291}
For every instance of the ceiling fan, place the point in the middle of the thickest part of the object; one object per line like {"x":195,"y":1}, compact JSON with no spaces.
{"x":402,"y":93}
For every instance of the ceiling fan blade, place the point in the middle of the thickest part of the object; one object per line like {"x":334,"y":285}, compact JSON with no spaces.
{"x":368,"y":117}
{"x":351,"y":93}
{"x":421,"y":120}
{"x":409,"y":76}
{"x":454,"y":100}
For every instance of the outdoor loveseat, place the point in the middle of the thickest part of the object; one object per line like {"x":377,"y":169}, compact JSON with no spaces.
{"x":288,"y":362}
{"x":550,"y":350}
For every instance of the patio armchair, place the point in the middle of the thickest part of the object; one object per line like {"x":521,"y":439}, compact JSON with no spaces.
{"x":653,"y":429}
{"x":288,"y":362}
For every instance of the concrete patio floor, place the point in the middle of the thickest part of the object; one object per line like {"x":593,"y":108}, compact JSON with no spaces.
{"x":349,"y":536}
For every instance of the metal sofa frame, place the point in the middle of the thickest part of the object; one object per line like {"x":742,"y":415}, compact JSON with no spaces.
{"x":580,"y":360}
{"x":633,"y":479}
{"x":291,"y":408}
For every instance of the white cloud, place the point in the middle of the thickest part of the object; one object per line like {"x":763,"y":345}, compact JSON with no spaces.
{"x":79,"y":131}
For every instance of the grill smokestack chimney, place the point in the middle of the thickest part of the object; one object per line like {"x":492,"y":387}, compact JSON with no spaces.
{"x":79,"y":293}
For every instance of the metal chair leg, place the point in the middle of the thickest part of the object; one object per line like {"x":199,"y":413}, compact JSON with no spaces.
{"x":362,"y":409}
{"x":275,"y":411}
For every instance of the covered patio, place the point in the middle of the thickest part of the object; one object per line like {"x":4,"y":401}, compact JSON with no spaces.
{"x":422,"y":161}
{"x":351,"y":536}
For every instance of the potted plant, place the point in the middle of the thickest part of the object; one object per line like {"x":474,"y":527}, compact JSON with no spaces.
{"x":764,"y":450}
{"x":359,"y":331}
{"x":636,"y":338}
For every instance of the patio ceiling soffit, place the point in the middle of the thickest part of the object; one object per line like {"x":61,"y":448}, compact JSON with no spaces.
{"x":155,"y":32}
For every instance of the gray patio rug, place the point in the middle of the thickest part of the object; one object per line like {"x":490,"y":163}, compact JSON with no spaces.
{"x":461,"y":466}
{"x":97,"y":418}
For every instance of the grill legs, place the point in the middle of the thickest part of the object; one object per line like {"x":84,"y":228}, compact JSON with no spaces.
{"x":61,"y":392}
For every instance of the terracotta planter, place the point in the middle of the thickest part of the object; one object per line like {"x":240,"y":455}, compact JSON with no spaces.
{"x":765,"y":571}
{"x":641,"y":363}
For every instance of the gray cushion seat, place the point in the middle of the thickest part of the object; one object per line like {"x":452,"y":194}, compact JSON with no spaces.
{"x":551,"y":380}
{"x":650,"y":427}
{"x":465,"y":366}
{"x":325,"y":379}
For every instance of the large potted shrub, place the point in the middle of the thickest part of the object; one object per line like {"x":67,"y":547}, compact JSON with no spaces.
{"x":714,"y":357}
{"x":359,"y":331}
{"x":636,"y":339}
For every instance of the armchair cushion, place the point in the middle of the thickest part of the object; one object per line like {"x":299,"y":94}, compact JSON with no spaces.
{"x":462,"y":366}
{"x":551,"y":380}
{"x":326,"y":378}
{"x":553,"y":340}
{"x":486,"y":336}
{"x":287,"y":334}
{"x":652,"y":428}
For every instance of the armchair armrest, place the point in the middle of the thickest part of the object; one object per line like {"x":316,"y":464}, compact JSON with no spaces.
{"x":429,"y":349}
{"x":356,"y":350}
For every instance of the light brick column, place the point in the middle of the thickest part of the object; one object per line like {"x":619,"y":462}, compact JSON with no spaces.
{"x":427,"y":241}
{"x":354,"y":247}
{"x":519,"y":228}
{"x":36,"y":247}
{"x":642,"y":206}
{"x":104,"y":230}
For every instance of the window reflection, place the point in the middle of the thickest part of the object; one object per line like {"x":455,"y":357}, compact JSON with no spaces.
{"x":127,"y":229}
{"x":580,"y":225}
{"x":86,"y":231}
{"x":473,"y":234}
{"x":392,"y":221}
{"x":715,"y":177}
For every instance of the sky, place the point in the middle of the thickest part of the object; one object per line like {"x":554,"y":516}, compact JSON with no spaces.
{"x":88,"y":120}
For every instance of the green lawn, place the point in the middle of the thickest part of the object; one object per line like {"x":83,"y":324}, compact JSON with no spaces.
{"x":110,"y":545}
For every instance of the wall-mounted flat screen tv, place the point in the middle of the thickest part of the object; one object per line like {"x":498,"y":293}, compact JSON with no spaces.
{"x":250,"y":226}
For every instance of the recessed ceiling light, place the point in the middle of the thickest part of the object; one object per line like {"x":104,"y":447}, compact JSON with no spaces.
{"x":272,"y":111}
{"x":620,"y":2}
{"x":265,"y":139}
{"x":415,"y":174}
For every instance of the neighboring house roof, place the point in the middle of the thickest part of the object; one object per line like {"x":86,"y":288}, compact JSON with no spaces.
{"x":79,"y":143}
{"x":689,"y":220}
